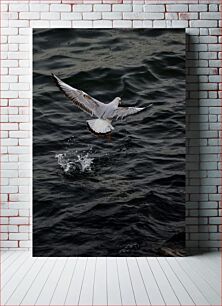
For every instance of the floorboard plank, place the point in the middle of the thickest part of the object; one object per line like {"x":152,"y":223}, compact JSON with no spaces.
{"x":113,"y":281}
{"x":126,"y":289}
{"x":17,"y":278}
{"x":181,"y":293}
{"x":6,"y":255}
{"x":113,"y":286}
{"x":18,"y":294}
{"x":100,"y":284}
{"x":152,"y":287}
{"x":75,"y":286}
{"x":139,"y":288}
{"x":164,"y":285}
{"x":38,"y":283}
{"x":190,"y":286}
{"x":210,"y":259}
{"x":11,"y":261}
{"x":13,"y":270}
{"x":206,"y":272}
{"x":208,"y":292}
{"x":86,"y":294}
{"x":61,"y":291}
{"x":47,"y":292}
{"x":3,"y":254}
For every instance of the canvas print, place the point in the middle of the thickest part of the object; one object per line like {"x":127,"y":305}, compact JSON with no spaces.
{"x":108,"y":142}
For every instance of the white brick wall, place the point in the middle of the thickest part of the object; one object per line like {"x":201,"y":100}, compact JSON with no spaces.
{"x":201,"y":18}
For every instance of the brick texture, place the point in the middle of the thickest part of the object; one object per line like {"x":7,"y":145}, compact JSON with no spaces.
{"x":201,"y":18}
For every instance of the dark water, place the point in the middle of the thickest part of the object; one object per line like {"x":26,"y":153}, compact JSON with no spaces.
{"x":93,"y":197}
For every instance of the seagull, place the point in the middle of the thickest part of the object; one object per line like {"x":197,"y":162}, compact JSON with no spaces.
{"x":104,"y":113}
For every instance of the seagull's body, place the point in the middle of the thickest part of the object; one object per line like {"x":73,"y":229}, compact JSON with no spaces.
{"x":104,"y":113}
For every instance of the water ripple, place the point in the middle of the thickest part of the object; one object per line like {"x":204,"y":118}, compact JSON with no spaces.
{"x":93,"y":197}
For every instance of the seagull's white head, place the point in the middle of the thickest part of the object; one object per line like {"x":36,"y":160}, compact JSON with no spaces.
{"x":117,"y":100}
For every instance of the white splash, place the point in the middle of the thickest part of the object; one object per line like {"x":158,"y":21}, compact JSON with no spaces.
{"x":72,"y":162}
{"x":85,"y":162}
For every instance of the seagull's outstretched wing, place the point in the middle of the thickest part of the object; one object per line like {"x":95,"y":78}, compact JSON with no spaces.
{"x":81,"y":99}
{"x":122,"y":112}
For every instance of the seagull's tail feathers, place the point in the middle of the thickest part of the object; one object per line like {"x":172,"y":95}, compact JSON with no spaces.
{"x":100,"y":126}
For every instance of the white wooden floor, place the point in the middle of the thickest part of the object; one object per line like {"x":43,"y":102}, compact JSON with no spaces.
{"x":191,"y":280}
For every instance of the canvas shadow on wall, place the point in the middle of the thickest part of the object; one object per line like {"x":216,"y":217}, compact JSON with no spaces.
{"x":123,"y":193}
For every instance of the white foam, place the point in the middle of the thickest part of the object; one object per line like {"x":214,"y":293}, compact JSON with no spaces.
{"x":72,"y":161}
